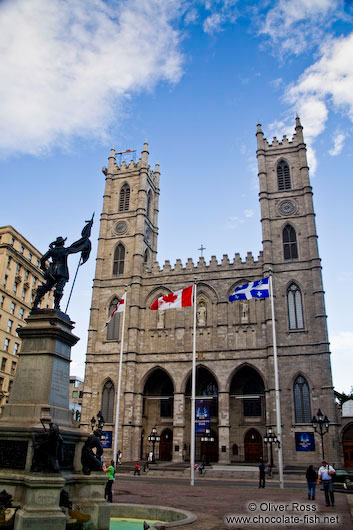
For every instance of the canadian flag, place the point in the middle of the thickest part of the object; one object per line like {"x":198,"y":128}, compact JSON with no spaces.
{"x":182,"y":298}
{"x":119,"y":308}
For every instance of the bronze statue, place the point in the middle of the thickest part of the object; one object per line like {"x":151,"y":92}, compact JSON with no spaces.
{"x":48,"y":450}
{"x":91,"y":460}
{"x":57,"y":274}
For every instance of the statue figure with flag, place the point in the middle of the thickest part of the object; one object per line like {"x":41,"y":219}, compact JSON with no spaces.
{"x":57,"y":274}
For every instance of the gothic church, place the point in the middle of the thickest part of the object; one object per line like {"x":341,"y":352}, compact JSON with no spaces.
{"x":235,"y":368}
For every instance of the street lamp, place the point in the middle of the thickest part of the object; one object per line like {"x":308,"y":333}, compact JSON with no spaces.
{"x":99,"y":421}
{"x":153,"y":437}
{"x":321,"y":425}
{"x":207,"y":438}
{"x":271,"y":438}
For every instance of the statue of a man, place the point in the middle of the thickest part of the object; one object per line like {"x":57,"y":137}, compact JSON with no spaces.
{"x":57,"y":274}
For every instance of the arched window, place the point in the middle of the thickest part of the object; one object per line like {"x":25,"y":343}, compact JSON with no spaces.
{"x":302,"y":400}
{"x":114,"y":324}
{"x":283,"y":176}
{"x":107,"y":407}
{"x":124,"y":200}
{"x":290,"y":247}
{"x":149,"y":204}
{"x":119,"y":259}
{"x":295,"y":307}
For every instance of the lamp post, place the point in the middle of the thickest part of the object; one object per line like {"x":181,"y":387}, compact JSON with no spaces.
{"x":99,"y":421}
{"x":321,"y":425}
{"x":207,"y":438}
{"x":269,"y":439}
{"x":153,"y":437}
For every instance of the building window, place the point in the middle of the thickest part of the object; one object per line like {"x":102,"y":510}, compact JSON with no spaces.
{"x":295,"y":307}
{"x":12,"y":308}
{"x":2,"y":300}
{"x":283,"y":176}
{"x":4,"y":280}
{"x":23,"y":294}
{"x":26,"y":275}
{"x":34,"y":282}
{"x":12,"y":242}
{"x":37,"y":262}
{"x":22,"y":250}
{"x":114,"y":324}
{"x":124,"y":200}
{"x":14,"y":290}
{"x":30,"y":256}
{"x":108,"y":401}
{"x":1,"y":383}
{"x":18,"y":268}
{"x":75,"y":394}
{"x":13,"y":367}
{"x":9,"y":259}
{"x":302,"y":400}
{"x":149,"y":205}
{"x":119,"y":258}
{"x":10,"y":386}
{"x":15,"y":348}
{"x":6,"y":344}
{"x":290,"y":248}
{"x":3,"y":363}
{"x":18,"y":327}
{"x":9,"y":325}
{"x":21,"y":312}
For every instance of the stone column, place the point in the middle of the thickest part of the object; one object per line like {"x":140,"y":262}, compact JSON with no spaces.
{"x":178,"y":426}
{"x":223,"y":428}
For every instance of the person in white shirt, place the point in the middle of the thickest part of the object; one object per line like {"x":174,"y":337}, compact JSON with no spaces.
{"x":325,"y":474}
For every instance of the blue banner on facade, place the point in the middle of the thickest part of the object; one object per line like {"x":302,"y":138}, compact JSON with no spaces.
{"x":107,"y":440}
{"x":202,"y":415}
{"x":304,"y":441}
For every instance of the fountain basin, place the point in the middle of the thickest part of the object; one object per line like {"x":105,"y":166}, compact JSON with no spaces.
{"x":174,"y":517}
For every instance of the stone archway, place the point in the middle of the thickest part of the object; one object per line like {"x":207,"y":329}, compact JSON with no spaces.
{"x":253,"y":451}
{"x":347,"y":442}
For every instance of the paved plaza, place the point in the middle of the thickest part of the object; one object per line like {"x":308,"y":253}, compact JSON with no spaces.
{"x":213,"y":500}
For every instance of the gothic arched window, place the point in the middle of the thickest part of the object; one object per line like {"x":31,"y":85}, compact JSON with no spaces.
{"x":290,"y":247}
{"x":283,"y":176}
{"x":295,"y":307}
{"x":119,"y":260}
{"x":149,"y":204}
{"x":114,"y":324}
{"x":302,"y":406}
{"x":108,"y":396}
{"x":124,"y":199}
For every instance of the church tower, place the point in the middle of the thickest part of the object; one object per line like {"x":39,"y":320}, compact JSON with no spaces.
{"x":290,"y":250}
{"x":127,"y":248}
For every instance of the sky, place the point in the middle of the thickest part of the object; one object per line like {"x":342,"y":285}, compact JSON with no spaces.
{"x":193,"y":78}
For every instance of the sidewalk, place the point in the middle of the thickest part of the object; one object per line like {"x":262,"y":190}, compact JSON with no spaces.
{"x":212,"y":503}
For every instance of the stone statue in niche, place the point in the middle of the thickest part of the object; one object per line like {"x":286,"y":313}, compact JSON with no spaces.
{"x":201,"y":314}
{"x":161,"y":320}
{"x":90,"y":459}
{"x":244,"y":313}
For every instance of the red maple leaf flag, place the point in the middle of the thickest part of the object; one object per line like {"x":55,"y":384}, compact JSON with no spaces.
{"x":182,"y":298}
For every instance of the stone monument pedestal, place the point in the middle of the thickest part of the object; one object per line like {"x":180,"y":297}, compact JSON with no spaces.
{"x":40,"y":396}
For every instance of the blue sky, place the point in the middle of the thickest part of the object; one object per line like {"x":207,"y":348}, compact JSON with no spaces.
{"x":193,"y":78}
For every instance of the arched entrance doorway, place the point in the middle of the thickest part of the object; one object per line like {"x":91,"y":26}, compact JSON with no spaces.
{"x":347,"y":441}
{"x":158,"y":400}
{"x":253,"y":446}
{"x":206,"y":397}
{"x":166,"y":445}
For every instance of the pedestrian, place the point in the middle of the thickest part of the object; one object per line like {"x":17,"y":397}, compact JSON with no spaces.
{"x":120,"y":455}
{"x":137,"y":470}
{"x":311,"y":478}
{"x":110,"y":471}
{"x":262,"y":475}
{"x":150,"y":456}
{"x":325,"y":474}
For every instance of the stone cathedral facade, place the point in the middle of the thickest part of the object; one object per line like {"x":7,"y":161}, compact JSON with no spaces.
{"x":235,"y":368}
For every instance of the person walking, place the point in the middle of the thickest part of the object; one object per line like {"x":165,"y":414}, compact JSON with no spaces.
{"x":325,"y":474}
{"x":311,"y":478}
{"x":137,"y":470}
{"x":110,"y":471}
{"x":262,"y":475}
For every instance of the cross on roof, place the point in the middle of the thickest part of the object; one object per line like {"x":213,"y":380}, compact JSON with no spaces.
{"x":202,"y":248}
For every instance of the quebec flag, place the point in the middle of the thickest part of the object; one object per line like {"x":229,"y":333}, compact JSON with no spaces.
{"x":257,"y":289}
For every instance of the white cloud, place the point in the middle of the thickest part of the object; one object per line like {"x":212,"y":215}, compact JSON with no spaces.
{"x":249,"y":213}
{"x":236,"y":220}
{"x":338,"y":143}
{"x":294,"y":26}
{"x":66,"y":67}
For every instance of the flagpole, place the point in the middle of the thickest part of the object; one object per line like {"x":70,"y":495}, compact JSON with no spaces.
{"x":277,"y":395}
{"x":117,"y":412}
{"x":193,"y":392}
